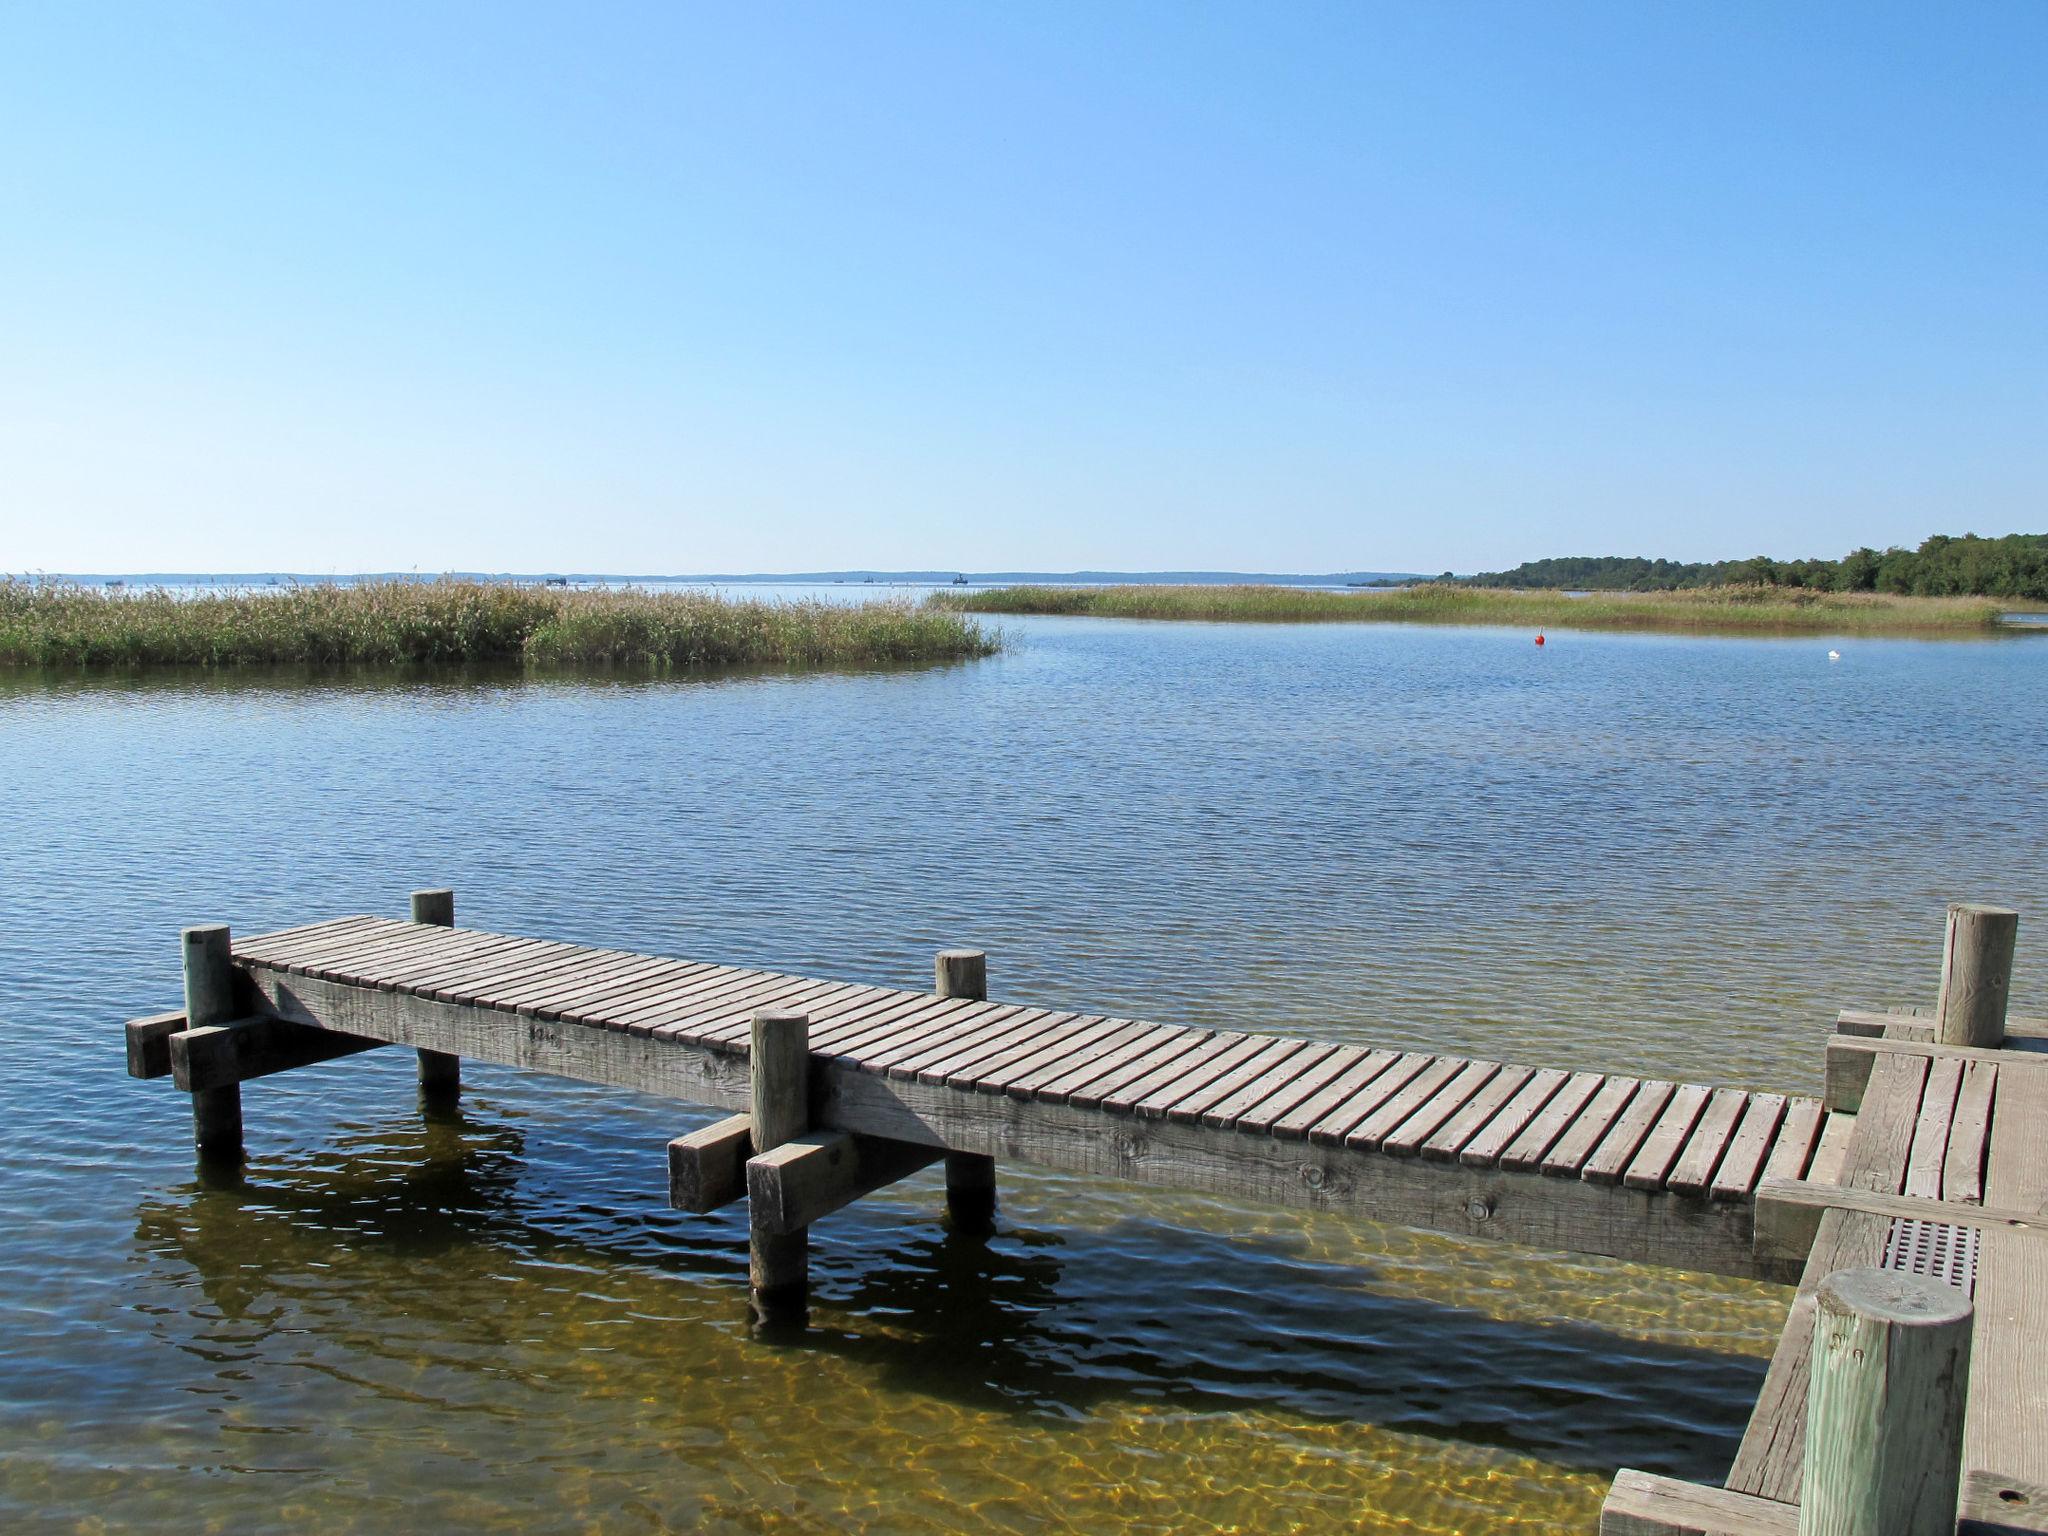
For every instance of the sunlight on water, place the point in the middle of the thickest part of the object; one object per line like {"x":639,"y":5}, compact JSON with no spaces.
{"x":1644,"y":853}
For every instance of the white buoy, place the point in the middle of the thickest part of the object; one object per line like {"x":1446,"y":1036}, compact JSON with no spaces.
{"x":1834,"y":655}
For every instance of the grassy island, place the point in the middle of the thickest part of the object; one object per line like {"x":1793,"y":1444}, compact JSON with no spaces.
{"x":398,"y":622}
{"x":1743,"y":609}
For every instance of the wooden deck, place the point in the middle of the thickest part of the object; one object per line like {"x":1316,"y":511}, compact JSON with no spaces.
{"x":1581,"y":1161}
{"x":1922,"y":1157}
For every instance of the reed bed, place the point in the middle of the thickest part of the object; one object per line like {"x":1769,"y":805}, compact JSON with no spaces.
{"x":1746,"y":609}
{"x":45,"y":623}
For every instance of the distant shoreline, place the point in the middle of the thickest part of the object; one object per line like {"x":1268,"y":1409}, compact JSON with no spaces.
{"x":1732,"y":609}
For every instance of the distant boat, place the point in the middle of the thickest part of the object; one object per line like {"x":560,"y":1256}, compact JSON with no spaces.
{"x":116,"y":585}
{"x":558,"y":581}
{"x":959,"y":581}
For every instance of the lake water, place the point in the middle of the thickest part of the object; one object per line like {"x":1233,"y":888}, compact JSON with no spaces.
{"x":1661,"y":854}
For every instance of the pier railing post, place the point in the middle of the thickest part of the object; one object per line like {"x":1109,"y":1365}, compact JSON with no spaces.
{"x":210,"y":999}
{"x":1884,"y":1407}
{"x":1976,"y":975}
{"x":440,"y":1071}
{"x":778,"y":1263}
{"x":970,"y":1176}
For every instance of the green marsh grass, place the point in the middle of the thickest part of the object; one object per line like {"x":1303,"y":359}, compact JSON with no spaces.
{"x":1783,"y":610}
{"x":46,"y":623}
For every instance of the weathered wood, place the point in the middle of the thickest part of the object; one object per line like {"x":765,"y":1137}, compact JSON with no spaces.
{"x":1744,"y":1160}
{"x":149,"y":1042}
{"x":1771,"y":1458}
{"x":1962,"y":1163}
{"x":1660,"y":1149}
{"x":1884,"y":1425}
{"x":1617,"y":1149}
{"x":440,"y":1074}
{"x":1849,"y":1058}
{"x":1798,"y":1136}
{"x":1071,"y":1135}
{"x":810,"y":1176}
{"x":1643,"y":1504}
{"x":1788,"y":1213}
{"x":216,"y":1057}
{"x":1976,"y":974}
{"x":970,"y":1177}
{"x":707,"y":1168}
{"x":1693,"y":1171}
{"x":210,"y":999}
{"x":1994,"y":1504}
{"x":2009,"y":1362}
{"x":779,"y":1091}
{"x":1448,"y":1140}
{"x":1930,"y":1130}
{"x":1529,"y":1103}
{"x":1831,"y":1151}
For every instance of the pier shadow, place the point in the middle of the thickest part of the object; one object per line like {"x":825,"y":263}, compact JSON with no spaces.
{"x":407,"y":1235}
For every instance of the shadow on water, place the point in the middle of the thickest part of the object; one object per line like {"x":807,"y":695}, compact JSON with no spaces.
{"x":410,"y":1230}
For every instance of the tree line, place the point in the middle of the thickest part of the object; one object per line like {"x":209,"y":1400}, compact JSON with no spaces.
{"x":1944,"y":566}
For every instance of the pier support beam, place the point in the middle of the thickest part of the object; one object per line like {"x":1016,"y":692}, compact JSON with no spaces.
{"x":1884,"y":1410}
{"x":970,"y":1176}
{"x":1976,"y":975}
{"x":440,"y":1072}
{"x":779,"y":1065}
{"x":210,"y":1000}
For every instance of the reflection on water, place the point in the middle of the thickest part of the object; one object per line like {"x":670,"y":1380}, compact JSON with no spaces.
{"x":1663,"y":854}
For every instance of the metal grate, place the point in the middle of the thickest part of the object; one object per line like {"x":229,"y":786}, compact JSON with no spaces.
{"x":1938,"y":1249}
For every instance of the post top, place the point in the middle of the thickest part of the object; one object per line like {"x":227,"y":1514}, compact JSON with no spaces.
{"x":781,"y":1016}
{"x":963,"y":954}
{"x":199,"y":933}
{"x":1894,"y":1296}
{"x":1984,"y":909}
{"x":435,"y":890}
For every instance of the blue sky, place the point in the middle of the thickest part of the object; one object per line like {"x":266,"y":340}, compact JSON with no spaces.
{"x":1283,"y":287}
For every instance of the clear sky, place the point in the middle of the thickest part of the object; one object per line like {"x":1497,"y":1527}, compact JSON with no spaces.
{"x":1262,"y":286}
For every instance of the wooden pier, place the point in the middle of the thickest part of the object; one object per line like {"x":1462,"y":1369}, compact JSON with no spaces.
{"x":1925,"y":1164}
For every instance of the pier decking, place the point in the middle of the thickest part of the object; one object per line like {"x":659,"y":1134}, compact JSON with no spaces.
{"x":1925,"y":1158}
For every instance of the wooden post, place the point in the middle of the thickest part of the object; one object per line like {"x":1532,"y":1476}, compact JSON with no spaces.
{"x":970,"y":1176}
{"x":1976,"y":974}
{"x":210,"y":999}
{"x":440,"y":1071}
{"x":1884,"y":1407}
{"x":779,"y":1066}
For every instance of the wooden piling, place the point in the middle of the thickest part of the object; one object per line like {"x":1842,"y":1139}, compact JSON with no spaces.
{"x":1884,"y":1410}
{"x":210,"y":1000}
{"x":1976,"y":974}
{"x":778,"y":1263}
{"x":440,"y":1071}
{"x":970,"y":1176}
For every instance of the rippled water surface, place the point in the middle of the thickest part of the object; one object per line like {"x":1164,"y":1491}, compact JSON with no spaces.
{"x":1669,"y":855}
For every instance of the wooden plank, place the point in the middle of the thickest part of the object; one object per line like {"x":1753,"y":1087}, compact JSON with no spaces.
{"x":1376,"y":1127}
{"x":911,"y":1042}
{"x":808,"y":1177}
{"x":1788,"y":1212}
{"x":708,"y":1017}
{"x":339,"y":939}
{"x":1020,"y":1077}
{"x":1570,"y":1151}
{"x":1930,"y":1130}
{"x":1752,"y":1141}
{"x":1262,"y":1116}
{"x":1798,"y":1135}
{"x":1293,"y":1124}
{"x":220,"y":1055}
{"x":1485,"y":1204}
{"x":708,"y":1167}
{"x":592,"y":965}
{"x":503,"y":989}
{"x":1026,"y":1032}
{"x":1445,"y":1143}
{"x":1195,"y":1076}
{"x":845,"y":1039}
{"x":1831,"y":1152}
{"x":1995,"y":1504}
{"x":1283,"y":1068}
{"x":339,"y":955}
{"x":149,"y":1042}
{"x":1537,"y":1092}
{"x":636,"y":972}
{"x":1962,"y":1162}
{"x":278,"y":947}
{"x":1641,"y":1504}
{"x":833,"y":1005}
{"x":1849,"y":1059}
{"x":1693,"y":1172}
{"x":1406,"y":1139}
{"x":1617,"y":1148}
{"x":2002,"y":1433}
{"x":1769,"y":1459}
{"x":1404,"y":1069}
{"x":992,"y":1074}
{"x":1085,"y":1086}
{"x":1272,"y":1051}
{"x":427,"y":966}
{"x":1008,"y":1021}
{"x":1177,"y":1074}
{"x":1653,"y":1159}
{"x":594,"y":1008}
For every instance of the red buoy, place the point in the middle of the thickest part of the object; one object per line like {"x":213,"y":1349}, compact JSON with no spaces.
{"x":1539,"y":639}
